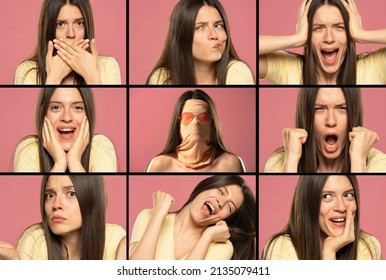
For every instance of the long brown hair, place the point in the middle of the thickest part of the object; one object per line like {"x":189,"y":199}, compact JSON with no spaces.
{"x":174,"y":138}
{"x":347,"y":71}
{"x":303,"y":225}
{"x":305,"y":114}
{"x":242,"y":223}
{"x":47,"y":30}
{"x":91,"y":195}
{"x":177,"y":58}
{"x":45,"y":160}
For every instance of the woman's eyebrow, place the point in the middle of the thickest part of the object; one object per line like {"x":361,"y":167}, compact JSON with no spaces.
{"x":65,"y":20}
{"x":207,"y":22}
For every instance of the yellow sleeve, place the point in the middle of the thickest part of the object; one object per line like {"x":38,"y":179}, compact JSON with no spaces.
{"x":27,"y":156}
{"x":32,"y":244}
{"x":239,"y":74}
{"x":275,"y":162}
{"x":369,"y":248}
{"x":26,"y":73}
{"x":110,"y":72}
{"x":219,"y":251}
{"x":102,"y":157}
{"x":281,"y":248}
{"x":284,"y":68}
{"x":140,"y":225}
{"x":376,"y":161}
{"x":371,"y":67}
{"x":159,"y":77}
{"x":114,"y":235}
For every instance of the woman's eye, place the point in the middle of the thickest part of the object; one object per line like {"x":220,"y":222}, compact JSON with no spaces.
{"x":60,"y":24}
{"x":49,"y":195}
{"x":199,"y":27}
{"x":55,"y":107}
{"x":221,"y":192}
{"x":80,"y":23}
{"x":349,"y":195}
{"x":78,"y":108}
{"x":219,"y":26}
{"x":71,"y":193}
{"x":327,"y":196}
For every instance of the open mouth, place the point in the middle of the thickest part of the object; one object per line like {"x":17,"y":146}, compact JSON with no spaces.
{"x":210,"y":208}
{"x":66,"y":133}
{"x":330,"y":55}
{"x":340,"y":222}
{"x":331,"y":142}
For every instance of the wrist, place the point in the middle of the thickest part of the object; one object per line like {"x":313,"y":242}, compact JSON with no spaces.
{"x":59,"y":166}
{"x":291,"y":164}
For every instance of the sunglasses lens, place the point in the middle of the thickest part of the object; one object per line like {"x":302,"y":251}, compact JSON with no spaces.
{"x":204,"y":118}
{"x":186,"y":118}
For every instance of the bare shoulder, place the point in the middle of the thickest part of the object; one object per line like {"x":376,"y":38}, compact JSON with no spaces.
{"x":228,"y":162}
{"x":161,"y":163}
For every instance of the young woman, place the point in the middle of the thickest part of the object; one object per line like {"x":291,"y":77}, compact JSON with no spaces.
{"x":218,"y":221}
{"x":324,"y":223}
{"x":195,"y":142}
{"x":65,"y":122}
{"x":329,"y":136}
{"x":199,"y":49}
{"x":66,"y":51}
{"x":329,"y":31}
{"x":73,"y":224}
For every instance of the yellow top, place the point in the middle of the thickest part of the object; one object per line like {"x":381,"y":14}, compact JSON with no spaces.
{"x":238,"y":74}
{"x":286,"y":69}
{"x":165,"y":245}
{"x":376,"y":161}
{"x":282,"y":248}
{"x":32,"y":244}
{"x":110,"y":73}
{"x":102,"y":155}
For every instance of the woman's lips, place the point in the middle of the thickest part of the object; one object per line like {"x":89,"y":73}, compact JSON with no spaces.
{"x":57,"y":219}
{"x":331,"y":143}
{"x":330,"y":56}
{"x":66,"y":133}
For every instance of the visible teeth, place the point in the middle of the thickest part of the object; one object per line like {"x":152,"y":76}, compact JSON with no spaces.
{"x":66,"y":129}
{"x":211,"y":208}
{"x":339,"y":220}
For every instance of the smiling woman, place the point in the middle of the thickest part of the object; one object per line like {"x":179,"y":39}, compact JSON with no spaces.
{"x":218,"y":221}
{"x":66,"y":51}
{"x":199,"y":49}
{"x":329,"y":136}
{"x":65,"y":140}
{"x":324,"y":223}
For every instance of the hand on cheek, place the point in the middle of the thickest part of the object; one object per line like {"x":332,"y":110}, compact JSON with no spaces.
{"x":77,"y":149}
{"x":53,"y":147}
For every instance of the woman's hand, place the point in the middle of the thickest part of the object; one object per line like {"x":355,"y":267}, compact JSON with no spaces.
{"x":162,"y":202}
{"x":56,"y":68}
{"x":331,"y":244}
{"x":53,"y":147}
{"x":219,"y":232}
{"x":361,"y":141}
{"x":81,"y":61}
{"x":74,"y":155}
{"x":8,"y":252}
{"x":356,"y":29}
{"x":302,"y":23}
{"x":293,"y":140}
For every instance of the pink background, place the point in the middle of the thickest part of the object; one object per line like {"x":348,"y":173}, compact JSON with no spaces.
{"x":280,"y":17}
{"x":151,"y":110}
{"x":274,"y":209}
{"x":277,"y":108}
{"x":17,"y":115}
{"x":148,"y":26}
{"x":141,"y":189}
{"x":19,"y":21}
{"x":20,"y":204}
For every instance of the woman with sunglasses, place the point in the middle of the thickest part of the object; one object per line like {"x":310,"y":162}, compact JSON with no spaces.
{"x":195,"y":142}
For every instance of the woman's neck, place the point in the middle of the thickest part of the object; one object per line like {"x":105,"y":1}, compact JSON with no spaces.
{"x":205,"y":73}
{"x":324,"y":78}
{"x":330,"y":165}
{"x":73,"y":246}
{"x":184,"y":224}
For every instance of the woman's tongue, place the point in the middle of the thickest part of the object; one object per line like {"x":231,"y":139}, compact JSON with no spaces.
{"x":205,"y":210}
{"x":329,"y":56}
{"x":331,"y":143}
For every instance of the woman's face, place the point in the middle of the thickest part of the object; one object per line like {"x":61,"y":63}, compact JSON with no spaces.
{"x":199,"y":127}
{"x":214,"y":205}
{"x":209,"y":39}
{"x":338,"y":197}
{"x":328,"y":39}
{"x":330,"y":123}
{"x":61,"y":206}
{"x":70,"y":24}
{"x":65,"y":113}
